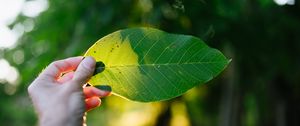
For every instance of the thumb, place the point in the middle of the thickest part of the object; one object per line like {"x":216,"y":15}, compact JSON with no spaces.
{"x":84,"y":71}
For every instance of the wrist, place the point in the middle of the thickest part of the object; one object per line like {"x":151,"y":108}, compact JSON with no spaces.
{"x":52,"y":121}
{"x":60,"y":119}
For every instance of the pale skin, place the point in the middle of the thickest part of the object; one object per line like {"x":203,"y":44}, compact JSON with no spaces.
{"x":58,"y":94}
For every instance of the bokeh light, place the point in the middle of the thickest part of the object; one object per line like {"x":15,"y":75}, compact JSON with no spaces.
{"x":8,"y":73}
{"x":285,"y":2}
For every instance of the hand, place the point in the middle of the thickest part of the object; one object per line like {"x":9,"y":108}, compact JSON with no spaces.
{"x":58,"y":94}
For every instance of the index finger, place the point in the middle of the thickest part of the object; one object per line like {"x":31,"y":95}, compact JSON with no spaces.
{"x":56,"y":68}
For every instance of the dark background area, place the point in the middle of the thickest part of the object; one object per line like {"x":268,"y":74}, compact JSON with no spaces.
{"x":261,"y":86}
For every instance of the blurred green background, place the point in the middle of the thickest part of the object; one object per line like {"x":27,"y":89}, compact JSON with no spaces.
{"x":261,"y":86}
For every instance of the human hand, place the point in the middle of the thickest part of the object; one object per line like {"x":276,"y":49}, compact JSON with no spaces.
{"x":57,"y":93}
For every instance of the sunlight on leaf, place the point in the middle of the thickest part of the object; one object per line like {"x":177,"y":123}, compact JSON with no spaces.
{"x":146,"y":64}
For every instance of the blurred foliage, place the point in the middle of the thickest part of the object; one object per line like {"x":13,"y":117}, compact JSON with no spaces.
{"x":260,"y":87}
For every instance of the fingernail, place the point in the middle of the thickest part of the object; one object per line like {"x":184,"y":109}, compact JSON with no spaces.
{"x":100,"y":66}
{"x":104,"y":87}
{"x":89,"y":62}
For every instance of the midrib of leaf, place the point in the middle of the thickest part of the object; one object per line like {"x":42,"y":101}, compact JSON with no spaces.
{"x":167,"y":64}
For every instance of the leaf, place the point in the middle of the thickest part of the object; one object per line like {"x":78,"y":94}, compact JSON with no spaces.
{"x":146,"y":64}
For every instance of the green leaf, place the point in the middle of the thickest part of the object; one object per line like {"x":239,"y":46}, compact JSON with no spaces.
{"x":146,"y":64}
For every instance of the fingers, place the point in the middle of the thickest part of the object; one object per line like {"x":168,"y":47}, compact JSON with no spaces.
{"x":92,"y":95}
{"x":55,"y":69}
{"x":94,"y":92}
{"x":92,"y":102}
{"x":83,"y":72}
